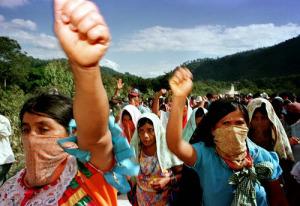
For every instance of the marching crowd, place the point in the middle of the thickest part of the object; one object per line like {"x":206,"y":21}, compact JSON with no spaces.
{"x":174,"y":149}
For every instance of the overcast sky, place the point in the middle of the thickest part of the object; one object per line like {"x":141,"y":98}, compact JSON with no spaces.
{"x":150,"y":37}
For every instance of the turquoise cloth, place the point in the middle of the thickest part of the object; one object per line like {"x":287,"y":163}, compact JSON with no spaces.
{"x":214,"y":174}
{"x":124,"y":166}
{"x":190,"y":126}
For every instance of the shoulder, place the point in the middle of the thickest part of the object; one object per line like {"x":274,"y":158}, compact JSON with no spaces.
{"x":260,"y":155}
{"x":202,"y":148}
{"x":203,"y":152}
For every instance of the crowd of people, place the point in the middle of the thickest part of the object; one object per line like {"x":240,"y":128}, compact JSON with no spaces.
{"x":177,"y":149}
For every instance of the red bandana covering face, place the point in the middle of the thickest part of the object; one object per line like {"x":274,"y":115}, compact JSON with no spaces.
{"x":231,"y":146}
{"x":42,"y":156}
{"x":128,"y":129}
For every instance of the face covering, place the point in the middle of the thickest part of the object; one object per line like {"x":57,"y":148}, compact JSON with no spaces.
{"x":42,"y":156}
{"x":231,"y":146}
{"x":128,"y":129}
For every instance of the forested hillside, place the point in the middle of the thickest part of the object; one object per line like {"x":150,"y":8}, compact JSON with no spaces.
{"x":275,"y":61}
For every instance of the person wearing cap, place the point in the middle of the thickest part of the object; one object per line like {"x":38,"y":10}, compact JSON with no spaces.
{"x":134,"y":99}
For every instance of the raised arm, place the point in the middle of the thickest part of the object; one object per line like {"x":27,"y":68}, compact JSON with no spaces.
{"x":181,"y":85}
{"x":119,"y":86}
{"x":84,"y":36}
{"x":155,"y":104}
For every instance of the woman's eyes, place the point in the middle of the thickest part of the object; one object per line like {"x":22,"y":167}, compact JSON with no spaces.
{"x":25,"y":130}
{"x":149,"y":131}
{"x":43,"y":130}
{"x":40,"y":130}
{"x":240,"y":122}
{"x":226,"y":123}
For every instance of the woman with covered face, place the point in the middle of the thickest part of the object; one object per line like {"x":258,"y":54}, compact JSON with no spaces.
{"x":128,"y":121}
{"x":159,"y":168}
{"x":229,"y":165}
{"x":52,"y":176}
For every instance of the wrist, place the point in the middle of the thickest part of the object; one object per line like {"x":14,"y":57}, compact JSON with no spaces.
{"x":78,"y":67}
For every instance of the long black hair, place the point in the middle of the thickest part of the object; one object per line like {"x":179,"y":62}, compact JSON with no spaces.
{"x":216,"y":111}
{"x":55,"y":106}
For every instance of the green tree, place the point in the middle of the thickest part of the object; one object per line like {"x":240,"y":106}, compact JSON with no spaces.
{"x":11,"y":61}
{"x":57,"y":76}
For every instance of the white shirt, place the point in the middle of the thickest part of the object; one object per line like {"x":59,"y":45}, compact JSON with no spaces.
{"x":6,"y":153}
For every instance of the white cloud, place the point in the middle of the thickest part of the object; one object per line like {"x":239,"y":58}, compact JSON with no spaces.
{"x":153,"y":69}
{"x":12,"y":3}
{"x":16,"y":25}
{"x":39,"y":45}
{"x":208,"y":40}
{"x":26,"y":24}
{"x":111,"y":64}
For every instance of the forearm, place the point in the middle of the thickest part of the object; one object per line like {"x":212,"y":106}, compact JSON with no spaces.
{"x":90,"y":105}
{"x":182,"y":149}
{"x":155,"y":105}
{"x":117,"y":93}
{"x":174,"y":126}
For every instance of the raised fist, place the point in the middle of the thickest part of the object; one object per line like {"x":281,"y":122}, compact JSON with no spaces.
{"x":81,"y":31}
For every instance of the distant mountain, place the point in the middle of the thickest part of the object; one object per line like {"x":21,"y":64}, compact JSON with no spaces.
{"x":275,"y":61}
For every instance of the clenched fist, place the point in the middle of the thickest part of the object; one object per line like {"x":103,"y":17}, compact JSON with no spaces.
{"x":181,"y":82}
{"x":81,"y":31}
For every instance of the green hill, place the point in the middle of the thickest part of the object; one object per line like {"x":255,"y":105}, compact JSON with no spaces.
{"x":275,"y":61}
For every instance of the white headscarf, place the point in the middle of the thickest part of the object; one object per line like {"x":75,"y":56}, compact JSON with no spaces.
{"x":134,"y":113}
{"x":282,"y":146}
{"x":166,"y":159}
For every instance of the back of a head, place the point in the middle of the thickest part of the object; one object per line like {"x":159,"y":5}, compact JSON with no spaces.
{"x":55,"y":106}
{"x":216,"y":111}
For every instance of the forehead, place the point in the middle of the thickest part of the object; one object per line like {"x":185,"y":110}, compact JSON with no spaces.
{"x":233,"y":116}
{"x":126,"y":116}
{"x":146,"y":125}
{"x":30,"y":118}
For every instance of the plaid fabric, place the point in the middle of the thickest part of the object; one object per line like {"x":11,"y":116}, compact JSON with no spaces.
{"x":245,"y":181}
